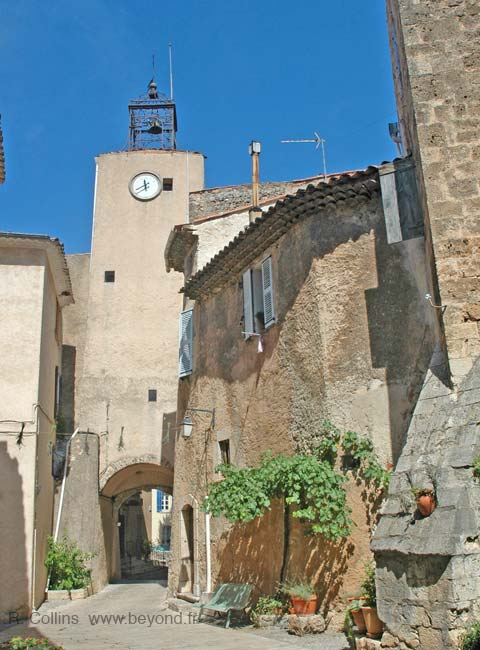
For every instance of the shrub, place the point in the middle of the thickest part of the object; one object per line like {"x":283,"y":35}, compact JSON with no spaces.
{"x":368,"y":586}
{"x":266,"y":606}
{"x":476,"y":467}
{"x":471,"y":639}
{"x":23,"y":643}
{"x":66,"y":565}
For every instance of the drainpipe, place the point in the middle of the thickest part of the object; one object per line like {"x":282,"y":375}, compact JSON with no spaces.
{"x":62,"y":493}
{"x":196,"y":586}
{"x":208,"y":552}
{"x":64,"y":479}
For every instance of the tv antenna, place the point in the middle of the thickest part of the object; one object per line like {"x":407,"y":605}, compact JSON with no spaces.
{"x":319,"y":142}
{"x":170,"y":46}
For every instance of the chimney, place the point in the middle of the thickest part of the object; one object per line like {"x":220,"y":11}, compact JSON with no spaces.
{"x":254,"y":149}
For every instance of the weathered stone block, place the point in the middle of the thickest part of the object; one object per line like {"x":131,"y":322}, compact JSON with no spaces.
{"x":301,"y":625}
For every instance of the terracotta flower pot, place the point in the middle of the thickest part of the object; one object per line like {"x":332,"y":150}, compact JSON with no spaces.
{"x":302,"y":606}
{"x":358,"y":620}
{"x":426,"y":504}
{"x":373,"y":623}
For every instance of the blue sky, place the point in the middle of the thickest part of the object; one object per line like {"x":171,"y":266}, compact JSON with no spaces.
{"x":244,"y":69}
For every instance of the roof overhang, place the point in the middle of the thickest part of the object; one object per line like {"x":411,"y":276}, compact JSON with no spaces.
{"x":250,"y":243}
{"x":180,"y":242}
{"x":55,"y":253}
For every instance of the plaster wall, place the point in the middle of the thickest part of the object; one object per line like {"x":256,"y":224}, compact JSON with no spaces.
{"x":132,"y":323}
{"x":350,"y":345}
{"x":74,"y":332}
{"x":50,"y":362}
{"x":29,"y":357}
{"x":214,"y":234}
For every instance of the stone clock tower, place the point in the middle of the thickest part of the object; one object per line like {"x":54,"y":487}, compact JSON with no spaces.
{"x":124,"y":327}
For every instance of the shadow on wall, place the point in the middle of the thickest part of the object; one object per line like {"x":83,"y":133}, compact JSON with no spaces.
{"x":168,"y":438}
{"x":14,"y":592}
{"x":401,"y":332}
{"x":252,"y":553}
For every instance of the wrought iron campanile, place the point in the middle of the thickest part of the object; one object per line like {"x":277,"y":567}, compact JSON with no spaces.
{"x":153,"y":121}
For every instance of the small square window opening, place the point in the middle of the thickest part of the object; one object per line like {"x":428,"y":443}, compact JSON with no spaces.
{"x":109,"y":276}
{"x":168,"y":184}
{"x":152,"y":395}
{"x":224,"y":451}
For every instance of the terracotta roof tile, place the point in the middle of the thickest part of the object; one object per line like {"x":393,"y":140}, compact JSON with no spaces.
{"x":265,"y":230}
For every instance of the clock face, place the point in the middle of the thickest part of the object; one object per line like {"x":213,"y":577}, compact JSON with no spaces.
{"x":145,"y":186}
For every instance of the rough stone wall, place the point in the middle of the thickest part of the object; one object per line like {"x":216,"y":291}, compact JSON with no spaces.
{"x":436,"y":61}
{"x":224,"y":199}
{"x":352,"y":332}
{"x":428,"y":569}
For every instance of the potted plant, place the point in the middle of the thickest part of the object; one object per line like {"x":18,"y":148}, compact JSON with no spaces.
{"x":303,"y":597}
{"x":369,"y":610}
{"x":354,"y":609}
{"x":68,"y":574}
{"x":425,"y":500}
{"x":267,"y":611}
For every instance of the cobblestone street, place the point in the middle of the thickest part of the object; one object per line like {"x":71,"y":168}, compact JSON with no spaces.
{"x":134,"y":616}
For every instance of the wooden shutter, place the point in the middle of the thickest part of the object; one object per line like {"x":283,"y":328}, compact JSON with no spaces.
{"x":185,"y":336}
{"x":248,"y":324}
{"x":268,"y":306}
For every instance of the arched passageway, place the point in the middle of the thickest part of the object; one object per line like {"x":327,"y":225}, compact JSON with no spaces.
{"x":136,"y":507}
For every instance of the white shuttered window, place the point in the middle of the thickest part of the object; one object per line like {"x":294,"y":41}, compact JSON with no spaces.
{"x":185,"y":343}
{"x":267,"y":287}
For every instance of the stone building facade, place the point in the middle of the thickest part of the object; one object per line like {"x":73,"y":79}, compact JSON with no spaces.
{"x":428,"y":577}
{"x":351,"y":343}
{"x":34,"y":288}
{"x":120,"y":346}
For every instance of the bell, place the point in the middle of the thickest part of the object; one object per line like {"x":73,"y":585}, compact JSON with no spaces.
{"x":155,"y":126}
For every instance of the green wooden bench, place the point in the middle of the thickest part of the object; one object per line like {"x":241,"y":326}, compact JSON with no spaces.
{"x":227,"y":598}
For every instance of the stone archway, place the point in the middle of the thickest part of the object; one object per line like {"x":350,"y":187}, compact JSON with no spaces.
{"x":118,"y":483}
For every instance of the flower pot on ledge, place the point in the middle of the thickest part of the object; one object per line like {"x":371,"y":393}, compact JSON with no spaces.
{"x":301,"y":606}
{"x":426,"y":503}
{"x":373,"y":623}
{"x":358,"y":620}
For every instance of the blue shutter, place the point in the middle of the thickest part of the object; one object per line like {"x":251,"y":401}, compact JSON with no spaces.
{"x":185,"y":336}
{"x":159,"y":500}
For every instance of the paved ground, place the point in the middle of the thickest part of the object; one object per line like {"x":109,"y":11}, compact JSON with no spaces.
{"x":134,"y":616}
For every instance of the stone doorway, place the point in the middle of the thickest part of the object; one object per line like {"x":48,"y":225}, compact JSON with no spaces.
{"x":136,"y":507}
{"x":187,"y":553}
{"x":144,"y":531}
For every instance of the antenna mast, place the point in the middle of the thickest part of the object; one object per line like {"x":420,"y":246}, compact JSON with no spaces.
{"x":170,"y":46}
{"x":319,"y":142}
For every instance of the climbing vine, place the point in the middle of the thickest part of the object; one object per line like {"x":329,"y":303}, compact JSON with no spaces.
{"x":311,"y":483}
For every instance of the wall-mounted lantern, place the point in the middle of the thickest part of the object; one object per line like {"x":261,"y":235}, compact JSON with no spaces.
{"x":187,"y":427}
{"x":187,"y":424}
